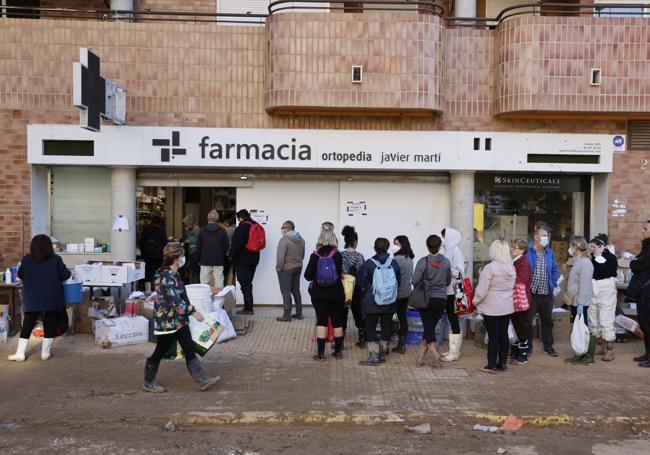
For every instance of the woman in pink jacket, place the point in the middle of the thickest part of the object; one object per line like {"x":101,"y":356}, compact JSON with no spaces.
{"x":493,"y":297}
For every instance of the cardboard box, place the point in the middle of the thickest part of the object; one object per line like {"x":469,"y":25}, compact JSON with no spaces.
{"x":561,"y":326}
{"x":89,"y":244}
{"x":121,"y":331}
{"x":88,"y":273}
{"x":84,"y":323}
{"x":122,"y":272}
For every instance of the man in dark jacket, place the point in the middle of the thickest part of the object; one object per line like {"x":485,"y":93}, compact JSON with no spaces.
{"x":640,"y":267}
{"x":245,"y":261}
{"x":212,"y":247}
{"x":152,"y":241}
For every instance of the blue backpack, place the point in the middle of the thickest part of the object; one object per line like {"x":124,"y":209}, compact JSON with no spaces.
{"x":326,"y":274}
{"x":384,"y":283}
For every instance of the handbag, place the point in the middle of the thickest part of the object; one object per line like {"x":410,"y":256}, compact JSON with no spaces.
{"x":464,"y":301}
{"x":520,"y":297}
{"x":418,"y":299}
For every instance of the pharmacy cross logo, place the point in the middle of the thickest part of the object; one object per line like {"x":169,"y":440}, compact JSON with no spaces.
{"x":90,"y":90}
{"x":165,"y":150}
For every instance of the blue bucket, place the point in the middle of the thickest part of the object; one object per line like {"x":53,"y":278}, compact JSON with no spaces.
{"x":72,"y":293}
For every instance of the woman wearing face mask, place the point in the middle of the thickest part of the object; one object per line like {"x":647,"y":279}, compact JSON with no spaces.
{"x":451,"y":250}
{"x":403,"y":255}
{"x":603,"y":306}
{"x":519,"y":350}
{"x":172,"y":310}
{"x":580,"y":289}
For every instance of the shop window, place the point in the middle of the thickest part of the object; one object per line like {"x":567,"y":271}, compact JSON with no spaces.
{"x":80,"y":203}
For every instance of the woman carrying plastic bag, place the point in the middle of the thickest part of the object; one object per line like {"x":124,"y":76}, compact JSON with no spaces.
{"x":580,"y":290}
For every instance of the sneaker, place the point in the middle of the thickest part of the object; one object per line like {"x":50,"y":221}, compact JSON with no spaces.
{"x":645,"y":364}
{"x":518,"y":361}
{"x":245,"y":312}
{"x":641,"y":358}
{"x":319,"y":357}
{"x":551,"y":352}
{"x":490,"y":370}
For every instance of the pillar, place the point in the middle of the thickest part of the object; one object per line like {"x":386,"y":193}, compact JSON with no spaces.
{"x":462,"y":214}
{"x":599,"y":204}
{"x":465,"y":8}
{"x":123,"y":203}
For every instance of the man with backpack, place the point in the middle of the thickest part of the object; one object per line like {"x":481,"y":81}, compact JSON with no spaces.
{"x":212,"y":248}
{"x":378,"y":281}
{"x":247,"y":242}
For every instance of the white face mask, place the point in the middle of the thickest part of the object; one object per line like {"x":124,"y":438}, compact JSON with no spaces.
{"x":181,"y":262}
{"x":544,"y":240}
{"x":394,"y":248}
{"x":571,"y":251}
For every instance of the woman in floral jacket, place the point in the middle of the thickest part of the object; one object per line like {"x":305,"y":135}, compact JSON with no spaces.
{"x":171,"y":321}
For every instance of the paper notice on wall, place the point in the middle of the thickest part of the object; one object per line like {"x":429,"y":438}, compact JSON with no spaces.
{"x":619,"y":208}
{"x":260,"y":216}
{"x":356,"y":208}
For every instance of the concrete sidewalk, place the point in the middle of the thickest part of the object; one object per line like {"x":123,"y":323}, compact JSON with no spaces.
{"x":268,"y":376}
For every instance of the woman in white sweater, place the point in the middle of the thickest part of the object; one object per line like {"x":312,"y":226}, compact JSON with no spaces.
{"x":451,"y":250}
{"x":580,"y":289}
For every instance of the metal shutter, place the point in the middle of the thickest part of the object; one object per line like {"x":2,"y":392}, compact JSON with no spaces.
{"x":638,"y":133}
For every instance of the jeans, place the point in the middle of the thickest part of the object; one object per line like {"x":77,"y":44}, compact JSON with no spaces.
{"x":385,"y":321}
{"x":209,"y":271}
{"x":245,"y":274}
{"x":452,"y":317}
{"x":49,"y":323}
{"x":290,"y":285}
{"x":542,"y":304}
{"x":164,"y":342}
{"x":402,"y":308}
{"x":643,"y":312}
{"x":498,"y":342}
{"x":430,"y":317}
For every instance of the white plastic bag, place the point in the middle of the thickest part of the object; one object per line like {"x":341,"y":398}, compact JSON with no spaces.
{"x":512,"y":335}
{"x":228,"y":329}
{"x":580,"y":336}
{"x":4,"y":328}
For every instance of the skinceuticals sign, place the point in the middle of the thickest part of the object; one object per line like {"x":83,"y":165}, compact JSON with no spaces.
{"x":257,"y":149}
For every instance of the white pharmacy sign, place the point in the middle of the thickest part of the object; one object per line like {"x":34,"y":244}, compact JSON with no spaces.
{"x":301,"y":149}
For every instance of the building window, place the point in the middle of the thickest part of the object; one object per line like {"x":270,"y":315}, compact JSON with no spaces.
{"x":25,"y":13}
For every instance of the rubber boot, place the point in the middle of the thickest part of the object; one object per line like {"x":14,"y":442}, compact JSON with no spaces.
{"x":298,"y":314}
{"x":200,"y":377}
{"x":588,"y":358}
{"x":424,"y":348}
{"x":19,"y":356}
{"x":384,"y":350}
{"x":600,"y":347}
{"x":373,"y":354}
{"x":401,"y":345}
{"x":455,"y":342}
{"x":338,"y":348}
{"x":363,"y":339}
{"x":609,"y":351}
{"x":286,"y":316}
{"x":433,"y":349}
{"x":150,"y":371}
{"x":46,"y":348}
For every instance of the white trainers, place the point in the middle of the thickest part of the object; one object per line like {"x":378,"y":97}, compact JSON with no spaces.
{"x":19,"y":356}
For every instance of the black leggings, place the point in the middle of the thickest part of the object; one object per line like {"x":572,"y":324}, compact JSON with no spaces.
{"x":430,"y":317}
{"x":498,"y":341}
{"x":49,"y":323}
{"x":184,"y":338}
{"x":402,"y":309}
{"x":385,"y":320}
{"x":326,"y":308}
{"x":452,"y":317}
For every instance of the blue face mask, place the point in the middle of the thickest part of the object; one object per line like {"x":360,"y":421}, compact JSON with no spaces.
{"x":544,"y":240}
{"x":181,"y":262}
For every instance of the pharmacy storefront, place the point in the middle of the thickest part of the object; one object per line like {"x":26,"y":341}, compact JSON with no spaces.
{"x":385,"y":183}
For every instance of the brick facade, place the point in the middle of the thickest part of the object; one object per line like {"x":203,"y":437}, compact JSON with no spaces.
{"x":188,"y":74}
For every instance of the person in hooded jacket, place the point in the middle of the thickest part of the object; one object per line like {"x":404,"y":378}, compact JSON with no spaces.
{"x":372,"y":311}
{"x":493,"y":298}
{"x":212,"y":247}
{"x":244,"y":261}
{"x":451,"y":249}
{"x":435,"y":271}
{"x":289,"y":258}
{"x":403,"y":255}
{"x":603,"y":305}
{"x":640,"y":267}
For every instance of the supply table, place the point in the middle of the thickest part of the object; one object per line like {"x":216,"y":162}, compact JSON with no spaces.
{"x":14,"y":301}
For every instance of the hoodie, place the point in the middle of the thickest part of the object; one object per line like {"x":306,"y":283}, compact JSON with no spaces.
{"x":435,"y":270}
{"x":291,"y":252}
{"x":451,"y":251}
{"x":493,"y":294}
{"x":212,"y":245}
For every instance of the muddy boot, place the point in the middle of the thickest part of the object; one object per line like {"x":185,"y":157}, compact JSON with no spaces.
{"x":198,"y":374}
{"x":384,"y":350}
{"x":609,"y":351}
{"x":298,"y":314}
{"x":600,"y":347}
{"x":433,"y":349}
{"x":363,"y":338}
{"x":588,"y":358}
{"x":373,"y":355}
{"x":338,"y":347}
{"x":424,"y":348}
{"x":401,"y":345}
{"x":286,"y":316}
{"x":150,"y":371}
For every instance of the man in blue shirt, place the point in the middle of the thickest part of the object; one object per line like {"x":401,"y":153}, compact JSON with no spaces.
{"x":545,"y":274}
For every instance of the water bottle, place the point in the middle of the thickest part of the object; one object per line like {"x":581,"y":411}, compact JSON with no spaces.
{"x":8,"y":276}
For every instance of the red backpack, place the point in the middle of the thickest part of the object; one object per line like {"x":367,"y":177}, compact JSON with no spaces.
{"x":256,"y":238}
